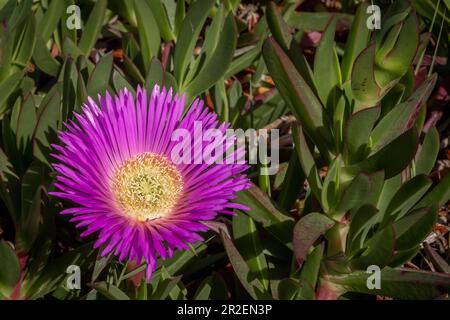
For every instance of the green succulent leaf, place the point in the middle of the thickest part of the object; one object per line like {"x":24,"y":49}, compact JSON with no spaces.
{"x":356,"y":42}
{"x":212,"y":288}
{"x":246,"y":238}
{"x":149,"y":35}
{"x":403,"y":149}
{"x":192,"y":25}
{"x":307,"y":161}
{"x":310,"y":270}
{"x":439,"y":195}
{"x":361,"y":221}
{"x":357,"y":134}
{"x":265,"y":212}
{"x":48,"y":119}
{"x":160,"y":15}
{"x":9,"y":268}
{"x":327,"y":72}
{"x":363,"y":84}
{"x":330,"y":190}
{"x":289,"y":289}
{"x":92,"y":27}
{"x":396,"y":283}
{"x":396,"y":46}
{"x":407,"y":196}
{"x":7,"y":87}
{"x":379,"y":249}
{"x":55,"y":272}
{"x":253,"y":286}
{"x":428,"y":152}
{"x":278,"y":26}
{"x":306,"y":231}
{"x":414,"y":227}
{"x":402,"y":117}
{"x":110,"y":291}
{"x":314,"y":21}
{"x":218,"y":62}
{"x":297,"y":94}
{"x":51,"y":18}
{"x":43,"y":59}
{"x":99,"y":79}
{"x":363,"y":189}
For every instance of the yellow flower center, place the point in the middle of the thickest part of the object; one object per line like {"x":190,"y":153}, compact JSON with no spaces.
{"x":147,"y":186}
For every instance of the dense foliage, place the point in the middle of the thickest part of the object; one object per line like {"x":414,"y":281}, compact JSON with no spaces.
{"x":361,"y":115}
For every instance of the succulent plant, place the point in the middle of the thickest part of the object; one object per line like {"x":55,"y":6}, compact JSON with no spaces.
{"x":361,"y":119}
{"x":354,"y":195}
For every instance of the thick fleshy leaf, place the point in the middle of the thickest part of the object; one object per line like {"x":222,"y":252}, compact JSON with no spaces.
{"x":357,"y":134}
{"x":213,"y":32}
{"x":99,"y":79}
{"x":396,"y":283}
{"x":439,"y":195}
{"x":92,"y":27}
{"x":218,"y":62}
{"x":7,"y":87}
{"x":428,"y":152}
{"x":23,"y":120}
{"x":402,"y":117}
{"x":149,"y":36}
{"x":165,"y":286}
{"x":397,"y":47}
{"x":121,"y":82}
{"x":48,"y":117}
{"x":403,"y":149}
{"x":253,"y":286}
{"x":314,"y":21}
{"x":414,"y":227}
{"x":30,"y":218}
{"x":330,"y":189}
{"x":212,"y":288}
{"x":8,"y":178}
{"x":289,"y":289}
{"x":42,"y":57}
{"x":190,"y":29}
{"x":356,"y":41}
{"x":292,"y":183}
{"x":69,"y":88}
{"x":277,"y":26}
{"x":100,"y":264}
{"x":110,"y":291}
{"x":9,"y":268}
{"x":246,"y":238}
{"x":364,"y":86}
{"x":25,"y":47}
{"x":55,"y":272}
{"x":363,"y":189}
{"x":297,"y":94}
{"x":307,"y":230}
{"x":327,"y":72}
{"x":307,"y":161}
{"x":361,"y":221}
{"x":263,"y":211}
{"x":406,"y":197}
{"x":51,"y":18}
{"x":243,"y":61}
{"x":160,"y":15}
{"x":309,"y":273}
{"x":379,"y":249}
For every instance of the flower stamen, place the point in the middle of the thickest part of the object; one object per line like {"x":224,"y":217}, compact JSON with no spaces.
{"x":147,"y":186}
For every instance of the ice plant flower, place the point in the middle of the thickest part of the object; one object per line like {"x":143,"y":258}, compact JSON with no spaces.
{"x":115,"y":166}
